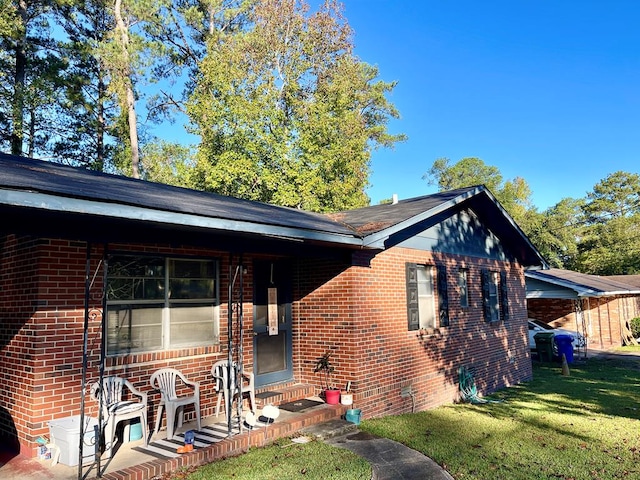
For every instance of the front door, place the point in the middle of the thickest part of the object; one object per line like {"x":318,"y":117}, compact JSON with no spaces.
{"x":272,"y":351}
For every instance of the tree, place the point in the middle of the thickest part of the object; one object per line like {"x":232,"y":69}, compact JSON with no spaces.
{"x":557,"y":231}
{"x":611,"y":248}
{"x":618,"y":195}
{"x":467,"y":172}
{"x":287,"y":114}
{"x":87,"y":120}
{"x":611,"y":242}
{"x":514,"y":195}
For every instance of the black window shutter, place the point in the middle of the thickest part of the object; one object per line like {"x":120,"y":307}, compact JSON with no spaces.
{"x":486,"y":298}
{"x":443,"y":296}
{"x":504,"y":297}
{"x":413,"y":313}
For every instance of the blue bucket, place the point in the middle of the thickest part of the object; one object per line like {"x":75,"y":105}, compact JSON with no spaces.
{"x":353,"y":415}
{"x":135,"y":431}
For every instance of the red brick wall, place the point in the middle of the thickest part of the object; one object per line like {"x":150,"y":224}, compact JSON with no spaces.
{"x":18,"y":334}
{"x":355,"y":308}
{"x":42,"y":290}
{"x":361,"y":316}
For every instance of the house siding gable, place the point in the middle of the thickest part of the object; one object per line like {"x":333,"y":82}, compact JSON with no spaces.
{"x":460,"y":234}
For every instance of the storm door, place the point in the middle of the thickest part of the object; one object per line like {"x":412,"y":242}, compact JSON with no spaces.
{"x":272,"y":351}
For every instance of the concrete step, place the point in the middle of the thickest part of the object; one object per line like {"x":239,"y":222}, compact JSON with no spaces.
{"x":329,"y":429}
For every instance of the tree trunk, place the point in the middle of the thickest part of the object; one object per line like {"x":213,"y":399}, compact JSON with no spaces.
{"x":130,"y":100}
{"x":18,"y":82}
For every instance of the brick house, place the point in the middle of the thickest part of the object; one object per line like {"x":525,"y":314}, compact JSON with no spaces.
{"x":599,"y":307}
{"x":106,"y":272}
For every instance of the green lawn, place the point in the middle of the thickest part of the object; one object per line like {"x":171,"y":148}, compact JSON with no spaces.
{"x":286,"y":460}
{"x":582,"y":426}
{"x":577,"y":427}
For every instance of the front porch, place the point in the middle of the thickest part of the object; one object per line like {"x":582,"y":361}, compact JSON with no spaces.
{"x":132,"y":461}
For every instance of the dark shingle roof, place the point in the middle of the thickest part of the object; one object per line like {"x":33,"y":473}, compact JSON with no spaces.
{"x":583,"y":284}
{"x":77,"y":200}
{"x":80,"y":183}
{"x":376,"y":218}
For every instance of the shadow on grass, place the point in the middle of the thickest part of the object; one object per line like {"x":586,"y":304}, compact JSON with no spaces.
{"x":554,"y":426}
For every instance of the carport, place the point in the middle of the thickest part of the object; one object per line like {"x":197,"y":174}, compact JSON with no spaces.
{"x":599,"y":308}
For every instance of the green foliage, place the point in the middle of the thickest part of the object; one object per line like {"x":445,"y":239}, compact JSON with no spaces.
{"x":598,"y":235}
{"x":514,"y":195}
{"x":610,"y":241}
{"x":635,"y":327}
{"x":616,"y":196}
{"x":167,"y":163}
{"x":556,"y":232}
{"x":289,"y":116}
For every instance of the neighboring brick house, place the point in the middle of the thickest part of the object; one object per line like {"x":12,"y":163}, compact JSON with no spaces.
{"x":402,"y":294}
{"x":599,"y":307}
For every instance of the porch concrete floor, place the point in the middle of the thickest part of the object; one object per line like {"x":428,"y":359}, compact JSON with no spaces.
{"x":130,"y":464}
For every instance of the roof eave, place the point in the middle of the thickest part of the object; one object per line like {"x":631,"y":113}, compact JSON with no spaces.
{"x":581,"y":292}
{"x":54,"y":203}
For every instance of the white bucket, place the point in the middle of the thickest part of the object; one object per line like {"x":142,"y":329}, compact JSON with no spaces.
{"x":346,"y":399}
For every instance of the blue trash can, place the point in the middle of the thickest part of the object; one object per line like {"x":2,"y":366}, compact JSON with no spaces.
{"x":564,"y":346}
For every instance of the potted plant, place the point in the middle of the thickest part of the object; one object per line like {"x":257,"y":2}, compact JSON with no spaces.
{"x":324,"y":366}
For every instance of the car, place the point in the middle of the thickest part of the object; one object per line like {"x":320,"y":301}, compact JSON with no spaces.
{"x":537,"y":326}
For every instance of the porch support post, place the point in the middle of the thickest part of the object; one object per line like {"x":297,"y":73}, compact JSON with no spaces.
{"x":228,"y":393}
{"x":234,"y":375}
{"x":239,"y":366}
{"x":85,"y":343}
{"x":103,"y":353}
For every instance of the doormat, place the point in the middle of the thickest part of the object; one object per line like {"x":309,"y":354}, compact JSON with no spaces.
{"x":267,"y":394}
{"x":299,"y":405}
{"x":208,"y":435}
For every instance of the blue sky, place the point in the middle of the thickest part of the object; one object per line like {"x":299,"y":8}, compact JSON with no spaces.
{"x":546,"y":90}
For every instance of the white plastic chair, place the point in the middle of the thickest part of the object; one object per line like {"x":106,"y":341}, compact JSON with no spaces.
{"x":220,"y":373}
{"x":166,"y":380}
{"x":115,"y":409}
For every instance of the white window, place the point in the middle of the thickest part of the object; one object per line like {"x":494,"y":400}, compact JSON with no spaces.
{"x":426,"y":300}
{"x":493,"y":297}
{"x":157,"y":303}
{"x":463,"y":275}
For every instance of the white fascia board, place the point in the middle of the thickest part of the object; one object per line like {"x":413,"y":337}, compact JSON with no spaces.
{"x":610,"y":293}
{"x":55,"y":203}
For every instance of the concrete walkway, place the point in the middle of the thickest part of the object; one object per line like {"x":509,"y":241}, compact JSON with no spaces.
{"x":389,"y":460}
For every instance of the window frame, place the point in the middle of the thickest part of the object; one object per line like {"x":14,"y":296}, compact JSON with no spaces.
{"x":463,"y":287}
{"x":496,"y":299}
{"x":165,"y":305}
{"x":426,"y":318}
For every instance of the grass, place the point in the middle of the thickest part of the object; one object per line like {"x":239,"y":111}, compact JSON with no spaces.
{"x":286,"y":460}
{"x":577,"y":427}
{"x":585,"y":426}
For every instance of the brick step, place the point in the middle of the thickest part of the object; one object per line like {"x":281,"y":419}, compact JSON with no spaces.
{"x":279,"y":394}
